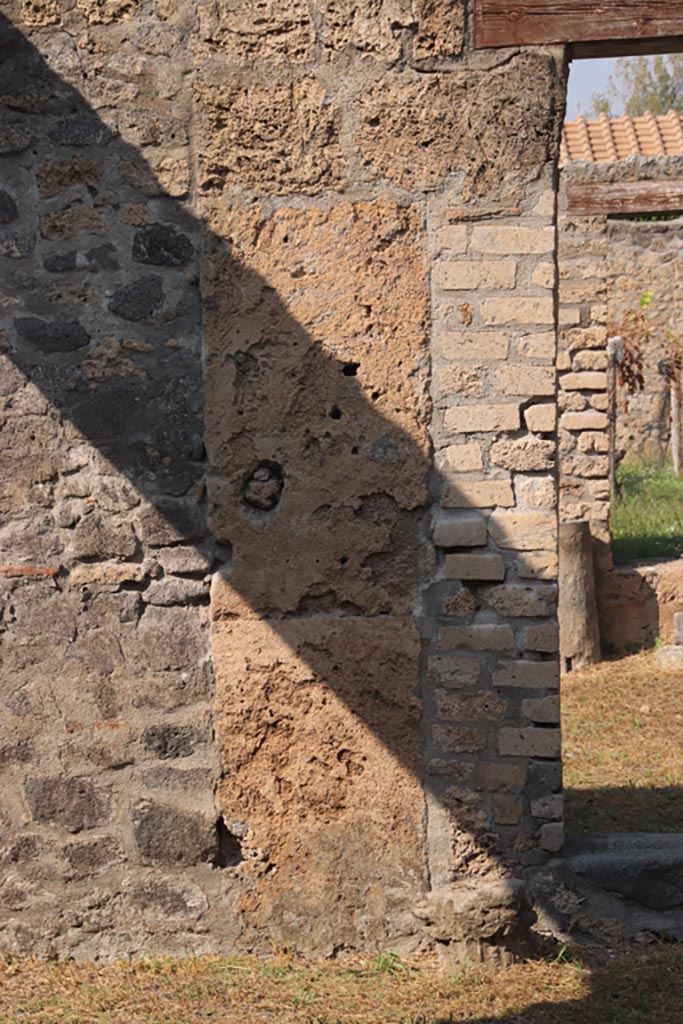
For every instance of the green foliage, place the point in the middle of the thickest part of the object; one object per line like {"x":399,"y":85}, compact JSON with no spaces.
{"x":647,"y":516}
{"x":640,"y":84}
{"x":386,"y":963}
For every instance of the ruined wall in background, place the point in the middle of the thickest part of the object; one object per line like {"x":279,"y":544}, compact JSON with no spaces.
{"x":343,"y":221}
{"x":645,"y":256}
{"x":605,"y":266}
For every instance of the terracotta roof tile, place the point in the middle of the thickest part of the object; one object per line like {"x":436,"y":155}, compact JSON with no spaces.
{"x":615,"y":138}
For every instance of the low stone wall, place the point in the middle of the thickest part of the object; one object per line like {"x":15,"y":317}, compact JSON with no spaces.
{"x":638,"y":603}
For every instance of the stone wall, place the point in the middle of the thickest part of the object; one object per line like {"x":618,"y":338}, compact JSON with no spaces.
{"x":646,"y":256}
{"x":279,"y":499}
{"x":605,"y":266}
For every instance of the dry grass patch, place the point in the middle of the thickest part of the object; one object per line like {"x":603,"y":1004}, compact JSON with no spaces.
{"x":282,"y":989}
{"x":622,"y":725}
{"x":626,"y":989}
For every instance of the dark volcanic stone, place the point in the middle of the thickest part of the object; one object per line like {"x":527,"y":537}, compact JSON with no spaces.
{"x":59,"y":262}
{"x":52,"y":335}
{"x":104,"y":257}
{"x":8,"y":208}
{"x":90,"y":855}
{"x":170,"y":740}
{"x":162,"y":245}
{"x":79,"y":131}
{"x":74,"y":803}
{"x":138,"y":300}
{"x":15,"y":136}
{"x":166,"y":835}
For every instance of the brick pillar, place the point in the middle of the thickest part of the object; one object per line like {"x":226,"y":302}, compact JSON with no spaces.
{"x":493,"y":704}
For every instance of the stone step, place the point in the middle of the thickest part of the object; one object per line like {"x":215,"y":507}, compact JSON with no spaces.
{"x":644,"y":868}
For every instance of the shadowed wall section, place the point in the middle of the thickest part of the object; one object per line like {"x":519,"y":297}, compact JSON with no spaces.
{"x":280,"y":326}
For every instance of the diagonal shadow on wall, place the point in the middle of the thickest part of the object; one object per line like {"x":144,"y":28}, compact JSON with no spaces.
{"x":318,"y":469}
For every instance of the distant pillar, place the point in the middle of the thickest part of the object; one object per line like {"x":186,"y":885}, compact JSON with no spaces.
{"x":578,"y":609}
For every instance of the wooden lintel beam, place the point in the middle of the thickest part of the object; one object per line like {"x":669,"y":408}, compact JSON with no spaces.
{"x":538,"y":22}
{"x":626,"y":47}
{"x":593,"y":199}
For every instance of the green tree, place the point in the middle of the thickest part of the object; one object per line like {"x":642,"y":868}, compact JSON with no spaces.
{"x":639,"y":84}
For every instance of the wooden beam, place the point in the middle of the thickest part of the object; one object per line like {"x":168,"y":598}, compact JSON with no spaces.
{"x":625,"y":47}
{"x":593,"y":199}
{"x":534,"y":22}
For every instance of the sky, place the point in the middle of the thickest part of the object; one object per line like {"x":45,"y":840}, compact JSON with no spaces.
{"x":585,"y":78}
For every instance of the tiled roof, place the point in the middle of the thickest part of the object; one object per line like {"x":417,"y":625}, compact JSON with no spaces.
{"x":615,"y":138}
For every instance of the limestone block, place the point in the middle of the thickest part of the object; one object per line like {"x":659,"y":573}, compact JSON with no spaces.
{"x":450,"y":739}
{"x":463,"y":531}
{"x":450,"y":379}
{"x":478,"y":494}
{"x":600,"y":402}
{"x":528,"y":453}
{"x":583,"y":421}
{"x":504,"y":239}
{"x":529,"y":381}
{"x":584,"y":338}
{"x":529,"y":742}
{"x":585,"y":381}
{"x":496,"y":775}
{"x":528,"y":674}
{"x":459,"y":458}
{"x":459,"y":605}
{"x":470,"y":419}
{"x":474,"y":567}
{"x":523,"y":531}
{"x":477,"y":707}
{"x":542,"y":709}
{"x":537,"y":346}
{"x":474,"y":346}
{"x":594,"y":442}
{"x":453,"y":671}
{"x":590,"y":359}
{"x":543,"y":275}
{"x":543,"y":637}
{"x":507,"y":809}
{"x":517,"y":309}
{"x":534,"y":491}
{"x":540,"y":418}
{"x":476,"y":638}
{"x":519,"y":600}
{"x":453,"y":238}
{"x":469,"y":275}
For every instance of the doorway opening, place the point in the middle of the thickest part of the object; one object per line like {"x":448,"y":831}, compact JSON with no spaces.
{"x":620,"y":257}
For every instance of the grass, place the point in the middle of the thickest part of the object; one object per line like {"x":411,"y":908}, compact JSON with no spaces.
{"x":622,"y":724}
{"x":647,"y":517}
{"x":626,"y":988}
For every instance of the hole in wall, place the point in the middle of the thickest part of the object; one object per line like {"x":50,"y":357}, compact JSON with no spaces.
{"x":228,"y":847}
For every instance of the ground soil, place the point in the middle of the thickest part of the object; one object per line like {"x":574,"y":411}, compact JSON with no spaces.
{"x":622,"y":724}
{"x":628,"y":988}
